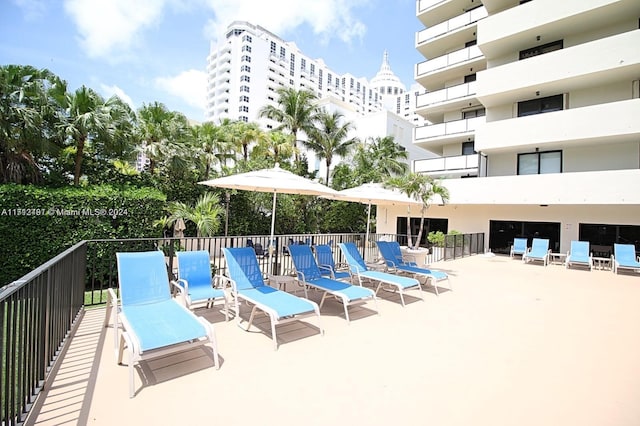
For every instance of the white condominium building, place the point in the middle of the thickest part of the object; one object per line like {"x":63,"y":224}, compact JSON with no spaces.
{"x":538,"y":102}
{"x":250,"y":64}
{"x":247,"y":68}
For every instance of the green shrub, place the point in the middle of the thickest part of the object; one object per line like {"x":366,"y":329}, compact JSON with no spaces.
{"x":37,"y":223}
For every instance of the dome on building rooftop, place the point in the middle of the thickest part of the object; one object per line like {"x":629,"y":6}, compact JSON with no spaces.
{"x":385,"y":80}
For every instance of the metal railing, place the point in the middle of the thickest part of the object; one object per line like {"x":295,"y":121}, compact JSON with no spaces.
{"x":40,"y":311}
{"x":37,"y":315}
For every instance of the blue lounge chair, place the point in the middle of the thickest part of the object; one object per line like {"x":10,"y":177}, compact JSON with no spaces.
{"x":153,"y":323}
{"x":359,"y":269}
{"x":519,"y":247}
{"x":194,"y":283}
{"x":579,"y":255}
{"x":247,"y":283}
{"x":328,"y":268}
{"x":624,"y":257}
{"x":392,"y":254}
{"x":539,"y":251}
{"x":309,"y":274}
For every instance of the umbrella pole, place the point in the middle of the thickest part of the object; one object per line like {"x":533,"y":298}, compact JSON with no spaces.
{"x":273,"y":227}
{"x":366,"y":237}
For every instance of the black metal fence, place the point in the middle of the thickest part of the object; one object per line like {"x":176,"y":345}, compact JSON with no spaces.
{"x":37,"y":314}
{"x":40,"y":311}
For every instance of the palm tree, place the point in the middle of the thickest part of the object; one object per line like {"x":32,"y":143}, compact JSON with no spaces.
{"x":244,"y":134}
{"x":205,"y":214}
{"x":27,"y":120}
{"x":159,"y":131}
{"x":86,"y":116}
{"x":330,"y":138}
{"x":275,"y":145}
{"x":211,"y":145}
{"x":387,"y":156}
{"x":421,"y":187}
{"x":296,"y":111}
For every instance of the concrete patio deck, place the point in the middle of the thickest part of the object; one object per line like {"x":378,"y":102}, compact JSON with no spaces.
{"x":513,"y":344}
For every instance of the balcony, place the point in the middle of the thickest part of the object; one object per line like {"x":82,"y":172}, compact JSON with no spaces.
{"x":453,"y":166}
{"x":451,"y":98}
{"x":86,"y":386}
{"x":433,"y":73}
{"x":611,"y":187}
{"x":432,"y":137}
{"x":453,"y":32}
{"x":597,"y":63}
{"x":611,"y":122}
{"x":432,"y":12}
{"x":517,"y":28}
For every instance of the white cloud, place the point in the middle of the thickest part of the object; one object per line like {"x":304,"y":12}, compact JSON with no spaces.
{"x":109,"y":91}
{"x":109,"y":28}
{"x":328,"y":18}
{"x":190,"y":86}
{"x":33,"y":9}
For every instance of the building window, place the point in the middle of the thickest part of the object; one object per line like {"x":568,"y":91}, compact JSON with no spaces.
{"x":480,"y":112}
{"x":469,"y":78}
{"x":246,"y":38}
{"x":540,"y":105}
{"x":243,"y":108}
{"x":537,"y":163}
{"x":245,"y":78}
{"x":244,"y":98}
{"x":283,"y":52}
{"x":244,"y":89}
{"x":244,"y":118}
{"x":273,"y":48}
{"x":312,"y":68}
{"x":246,"y":68}
{"x":245,"y":58}
{"x":540,"y":50}
{"x":246,"y":48}
{"x":468,"y":148}
{"x":471,"y":43}
{"x":303,"y":64}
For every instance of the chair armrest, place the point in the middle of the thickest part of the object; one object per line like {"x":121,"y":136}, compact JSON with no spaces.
{"x":409,"y":258}
{"x":327,"y":268}
{"x":224,"y":282}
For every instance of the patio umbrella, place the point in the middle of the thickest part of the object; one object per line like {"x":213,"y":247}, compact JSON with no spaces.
{"x":275,"y":180}
{"x":375,"y":193}
{"x":179,"y":228}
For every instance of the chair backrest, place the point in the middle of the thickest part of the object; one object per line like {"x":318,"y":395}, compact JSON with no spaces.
{"x":579,"y":249}
{"x":392,"y":257}
{"x":258,"y":249}
{"x":353,"y":257}
{"x":520,"y":245}
{"x":324,"y":255}
{"x":243,"y":268}
{"x":194,"y":267}
{"x":624,"y":252}
{"x":249,"y":242}
{"x":540,"y":245}
{"x":304,"y":262}
{"x":143,"y":278}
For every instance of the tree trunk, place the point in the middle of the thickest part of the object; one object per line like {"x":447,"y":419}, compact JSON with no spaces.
{"x":419,"y":237}
{"x":409,"y":241}
{"x":78,"y":162}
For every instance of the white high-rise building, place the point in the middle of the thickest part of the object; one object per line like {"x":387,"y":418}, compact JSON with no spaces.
{"x":247,"y":68}
{"x":538,"y":101}
{"x":250,"y":64}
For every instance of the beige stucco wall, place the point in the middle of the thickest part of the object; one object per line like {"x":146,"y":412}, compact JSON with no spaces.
{"x":475,"y":218}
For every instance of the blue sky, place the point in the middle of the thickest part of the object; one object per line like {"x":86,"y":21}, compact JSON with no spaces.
{"x":155,"y":50}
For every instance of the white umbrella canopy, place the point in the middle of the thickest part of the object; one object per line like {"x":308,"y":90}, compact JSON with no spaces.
{"x":276,"y":181}
{"x":375,"y":193}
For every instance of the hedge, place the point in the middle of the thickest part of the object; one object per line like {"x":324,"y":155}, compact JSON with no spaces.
{"x":37,"y":223}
